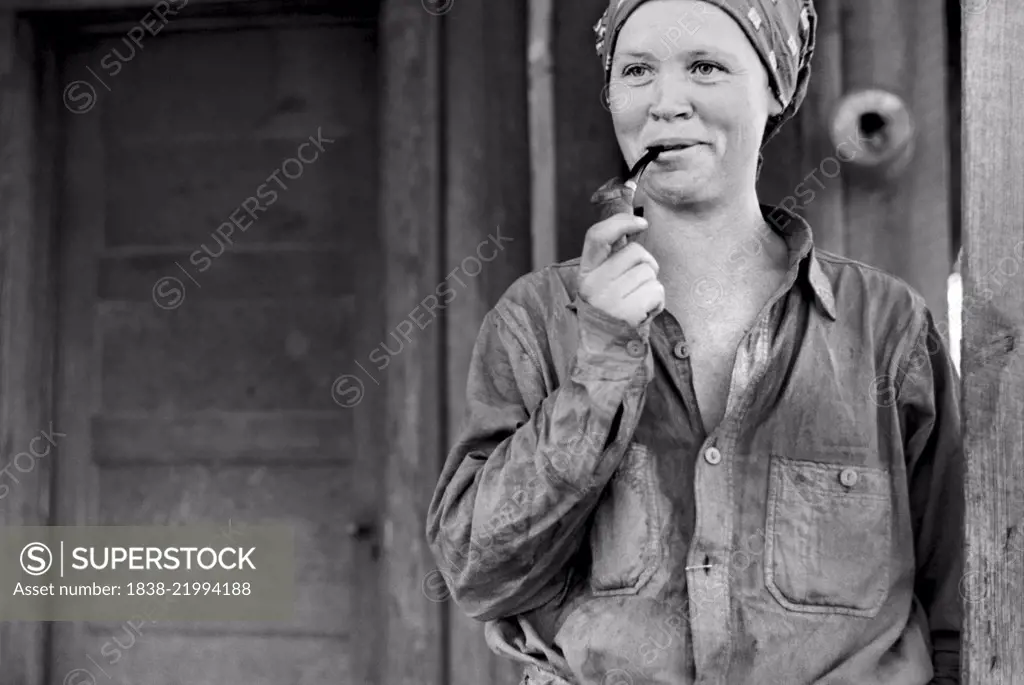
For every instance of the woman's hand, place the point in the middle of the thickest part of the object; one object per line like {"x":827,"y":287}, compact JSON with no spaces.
{"x":622,"y":283}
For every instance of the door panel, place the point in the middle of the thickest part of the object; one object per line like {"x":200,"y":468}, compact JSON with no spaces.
{"x":210,"y":400}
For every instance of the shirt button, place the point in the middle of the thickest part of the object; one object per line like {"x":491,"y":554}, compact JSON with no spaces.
{"x":682,"y":350}
{"x":712,"y":456}
{"x":635,"y":348}
{"x":848,"y":477}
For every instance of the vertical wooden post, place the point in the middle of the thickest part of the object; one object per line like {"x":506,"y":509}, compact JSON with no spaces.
{"x":993,"y":349}
{"x":544,"y":195}
{"x":26,"y":326}
{"x":487,"y":195}
{"x":411,"y":223}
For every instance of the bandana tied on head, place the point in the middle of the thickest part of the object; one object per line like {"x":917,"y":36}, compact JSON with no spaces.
{"x":782,"y":32}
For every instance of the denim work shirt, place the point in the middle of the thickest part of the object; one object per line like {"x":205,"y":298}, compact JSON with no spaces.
{"x":814,"y":537}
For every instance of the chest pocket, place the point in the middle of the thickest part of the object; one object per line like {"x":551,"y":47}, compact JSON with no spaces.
{"x":828,"y":542}
{"x":625,"y":537}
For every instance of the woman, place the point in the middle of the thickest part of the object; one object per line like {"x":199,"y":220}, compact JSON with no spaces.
{"x":715,"y":454}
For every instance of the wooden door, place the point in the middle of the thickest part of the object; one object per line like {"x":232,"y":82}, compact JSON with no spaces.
{"x":195,"y":369}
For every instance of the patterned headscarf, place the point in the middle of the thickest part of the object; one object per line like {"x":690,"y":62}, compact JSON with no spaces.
{"x":782,"y":32}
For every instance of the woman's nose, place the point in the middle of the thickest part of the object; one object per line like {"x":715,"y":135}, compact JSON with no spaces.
{"x":672,"y":99}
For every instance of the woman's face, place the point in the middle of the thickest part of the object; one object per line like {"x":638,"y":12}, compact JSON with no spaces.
{"x":684,"y":73}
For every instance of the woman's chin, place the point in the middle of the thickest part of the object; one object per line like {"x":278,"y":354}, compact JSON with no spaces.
{"x":680,"y":188}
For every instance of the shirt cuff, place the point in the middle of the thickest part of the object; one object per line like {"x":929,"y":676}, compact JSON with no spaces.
{"x":610,"y":348}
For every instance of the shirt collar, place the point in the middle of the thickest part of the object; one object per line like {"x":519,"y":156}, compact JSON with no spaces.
{"x":800,"y":242}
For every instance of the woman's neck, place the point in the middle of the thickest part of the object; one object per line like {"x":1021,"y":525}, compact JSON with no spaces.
{"x":731,"y":244}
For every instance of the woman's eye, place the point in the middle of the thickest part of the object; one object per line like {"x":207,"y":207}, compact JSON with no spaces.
{"x":635,"y":70}
{"x":706,"y":68}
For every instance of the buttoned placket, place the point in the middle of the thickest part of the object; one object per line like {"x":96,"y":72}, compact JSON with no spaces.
{"x":706,"y":575}
{"x":708,"y":561}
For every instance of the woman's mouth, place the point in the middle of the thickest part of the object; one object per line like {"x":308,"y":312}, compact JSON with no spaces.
{"x":678,"y":150}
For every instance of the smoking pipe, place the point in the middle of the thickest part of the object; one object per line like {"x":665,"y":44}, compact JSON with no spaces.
{"x":632,"y":181}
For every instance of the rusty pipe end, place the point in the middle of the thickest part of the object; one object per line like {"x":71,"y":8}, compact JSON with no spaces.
{"x":873,"y":130}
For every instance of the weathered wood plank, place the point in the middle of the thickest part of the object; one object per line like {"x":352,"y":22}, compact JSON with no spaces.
{"x":954,"y":62}
{"x":25,"y":308}
{"x":276,"y":92}
{"x":296,"y":439}
{"x":44,"y":5}
{"x":187,"y":186}
{"x":155,"y":657}
{"x":77,"y":389}
{"x":487,"y":205}
{"x":544,"y":172}
{"x":255,"y":6}
{"x":213,"y":274}
{"x":903,"y":225}
{"x":411,"y":197}
{"x":237,"y":355}
{"x":48,"y":142}
{"x":141,"y":24}
{"x":993,"y":353}
{"x":370,"y":420}
{"x":586,"y":153}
